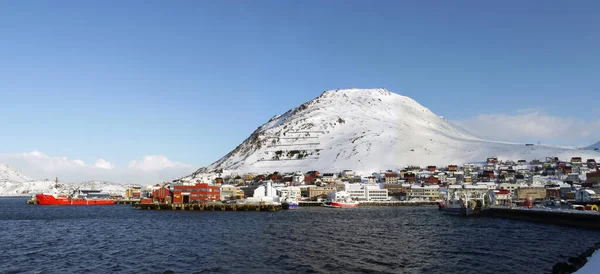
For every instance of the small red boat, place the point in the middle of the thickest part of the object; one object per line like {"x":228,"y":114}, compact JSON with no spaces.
{"x":344,"y":204}
{"x":51,"y":199}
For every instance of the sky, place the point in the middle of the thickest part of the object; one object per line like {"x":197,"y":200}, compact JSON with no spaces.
{"x":155,"y":89}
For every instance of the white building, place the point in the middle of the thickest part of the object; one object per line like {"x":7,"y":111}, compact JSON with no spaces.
{"x":367,"y":192}
{"x":298,"y":179}
{"x":265,"y":193}
{"x":348,"y":174}
{"x":586,"y":195}
{"x":329,"y":177}
{"x":429,"y":192}
{"x":290,"y":193}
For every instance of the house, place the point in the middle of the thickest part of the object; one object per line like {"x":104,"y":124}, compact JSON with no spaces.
{"x":133,"y":192}
{"x":586,"y":195}
{"x":451,"y":180}
{"x":432,"y":180}
{"x":410,"y":177}
{"x":417,"y":192}
{"x":575,"y":159}
{"x":229,"y":192}
{"x":452,"y":168}
{"x":199,"y":192}
{"x":162,"y":195}
{"x":329,"y":177}
{"x":372,"y":180}
{"x":492,"y":160}
{"x":249,"y":176}
{"x":218,"y":181}
{"x":391,"y":178}
{"x":320,"y":191}
{"x":347,"y":173}
{"x":298,"y":178}
{"x":431,"y":168}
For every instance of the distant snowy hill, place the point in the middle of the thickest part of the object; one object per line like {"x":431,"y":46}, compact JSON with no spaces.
{"x":367,"y":130}
{"x":13,"y":183}
{"x":595,"y":146}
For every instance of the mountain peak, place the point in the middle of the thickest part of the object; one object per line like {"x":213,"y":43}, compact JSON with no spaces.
{"x":365,"y":130}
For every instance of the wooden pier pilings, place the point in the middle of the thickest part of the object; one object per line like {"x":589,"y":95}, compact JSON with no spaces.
{"x":210,"y":207}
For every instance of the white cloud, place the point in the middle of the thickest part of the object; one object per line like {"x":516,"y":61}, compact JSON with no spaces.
{"x":533,"y":125}
{"x":79,"y":162}
{"x":149,"y":170}
{"x":156,"y":162}
{"x":101,"y":163}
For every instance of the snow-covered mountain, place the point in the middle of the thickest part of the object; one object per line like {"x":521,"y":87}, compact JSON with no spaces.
{"x":367,"y":130}
{"x":595,"y":146}
{"x":13,"y":183}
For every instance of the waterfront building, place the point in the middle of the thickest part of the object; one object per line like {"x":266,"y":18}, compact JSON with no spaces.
{"x":367,"y":192}
{"x":430,"y":192}
{"x":532,"y":193}
{"x":199,"y":192}
{"x":586,"y":195}
{"x":320,"y":191}
{"x":231,"y":192}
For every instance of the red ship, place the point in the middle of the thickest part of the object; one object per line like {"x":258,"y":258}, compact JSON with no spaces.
{"x":86,"y":199}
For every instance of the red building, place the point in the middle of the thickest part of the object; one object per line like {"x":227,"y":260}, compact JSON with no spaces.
{"x":196,"y":193}
{"x":432,"y":180}
{"x":161,"y":195}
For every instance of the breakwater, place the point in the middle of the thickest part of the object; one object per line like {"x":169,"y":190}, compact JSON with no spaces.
{"x":580,"y":219}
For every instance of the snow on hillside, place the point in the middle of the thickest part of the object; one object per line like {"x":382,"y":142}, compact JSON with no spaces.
{"x":13,"y":183}
{"x":366,"y":130}
{"x":595,"y":146}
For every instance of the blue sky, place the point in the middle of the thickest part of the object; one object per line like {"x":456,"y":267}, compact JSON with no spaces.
{"x":190,"y":80}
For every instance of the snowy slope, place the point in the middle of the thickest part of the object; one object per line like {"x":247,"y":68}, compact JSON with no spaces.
{"x":367,"y":130}
{"x":13,"y":183}
{"x":595,"y":146}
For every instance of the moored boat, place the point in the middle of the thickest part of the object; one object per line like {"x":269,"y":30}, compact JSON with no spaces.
{"x":341,"y":199}
{"x":54,"y":199}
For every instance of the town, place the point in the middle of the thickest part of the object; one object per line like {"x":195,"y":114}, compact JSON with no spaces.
{"x":538,"y":181}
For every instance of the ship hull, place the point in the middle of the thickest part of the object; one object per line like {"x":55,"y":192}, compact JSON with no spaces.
{"x":46,"y":199}
{"x":344,"y":205}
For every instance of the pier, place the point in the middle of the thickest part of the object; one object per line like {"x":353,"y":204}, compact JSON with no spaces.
{"x":127,"y":202}
{"x":210,"y":207}
{"x":575,"y":218}
{"x":398,"y":203}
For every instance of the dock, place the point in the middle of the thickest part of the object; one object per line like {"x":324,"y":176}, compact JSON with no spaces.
{"x":398,"y":203}
{"x":210,"y":207}
{"x":127,"y":202}
{"x":575,"y":218}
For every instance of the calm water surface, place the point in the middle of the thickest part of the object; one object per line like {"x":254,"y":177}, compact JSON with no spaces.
{"x":101,"y":239}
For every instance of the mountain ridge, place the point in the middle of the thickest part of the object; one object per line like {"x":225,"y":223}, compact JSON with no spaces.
{"x":366,"y":130}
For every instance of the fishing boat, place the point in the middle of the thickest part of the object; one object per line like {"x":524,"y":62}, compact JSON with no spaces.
{"x":78,"y":197}
{"x":341,"y":199}
{"x":466,"y":201}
